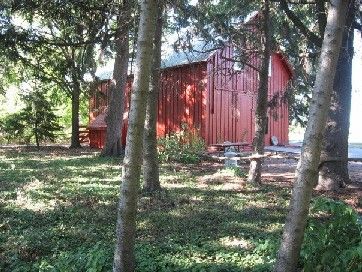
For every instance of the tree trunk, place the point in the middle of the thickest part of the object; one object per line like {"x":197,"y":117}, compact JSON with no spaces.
{"x":114,"y":118}
{"x":334,"y":175}
{"x":307,"y":170}
{"x":36,"y":132}
{"x":124,"y":259}
{"x":262,"y":100}
{"x":75,"y":143}
{"x":150,"y":154}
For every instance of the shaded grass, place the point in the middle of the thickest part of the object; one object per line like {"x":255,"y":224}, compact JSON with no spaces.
{"x":58,"y":213}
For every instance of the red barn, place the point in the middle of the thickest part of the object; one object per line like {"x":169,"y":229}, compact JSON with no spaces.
{"x":209,"y":93}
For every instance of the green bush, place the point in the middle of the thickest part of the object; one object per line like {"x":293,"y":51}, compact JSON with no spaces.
{"x":35,"y":121}
{"x":185,"y":146}
{"x":332,"y":240}
{"x":12,"y":127}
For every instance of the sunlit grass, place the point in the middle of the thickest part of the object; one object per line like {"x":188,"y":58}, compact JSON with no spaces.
{"x":58,"y":213}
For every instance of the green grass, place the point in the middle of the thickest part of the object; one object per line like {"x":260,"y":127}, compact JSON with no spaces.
{"x":58,"y":213}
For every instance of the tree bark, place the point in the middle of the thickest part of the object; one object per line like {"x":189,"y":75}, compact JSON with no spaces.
{"x":262,"y":100}
{"x":334,"y":175}
{"x":75,"y":143}
{"x":114,"y":117}
{"x":307,"y":169}
{"x":150,"y":155}
{"x":124,"y":259}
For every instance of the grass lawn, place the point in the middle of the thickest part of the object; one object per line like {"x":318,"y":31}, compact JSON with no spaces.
{"x":58,"y":213}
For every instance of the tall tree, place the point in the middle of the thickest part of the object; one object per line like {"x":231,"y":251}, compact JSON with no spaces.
{"x":57,"y":43}
{"x":262,"y":97}
{"x":124,"y":259}
{"x":333,"y":174}
{"x":150,"y":155}
{"x":38,"y":117}
{"x":114,"y":118}
{"x":307,"y":170}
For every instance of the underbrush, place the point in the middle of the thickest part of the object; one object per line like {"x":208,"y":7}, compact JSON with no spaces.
{"x":58,"y":213}
{"x":333,"y":238}
{"x":185,"y":146}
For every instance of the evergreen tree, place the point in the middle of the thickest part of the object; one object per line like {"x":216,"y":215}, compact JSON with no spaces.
{"x":307,"y":170}
{"x":39,"y":119}
{"x":124,"y":258}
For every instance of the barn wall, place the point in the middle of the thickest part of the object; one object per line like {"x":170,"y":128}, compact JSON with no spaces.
{"x":231,"y":100}
{"x":213,"y":99}
{"x":278,"y":113}
{"x":181,"y":102}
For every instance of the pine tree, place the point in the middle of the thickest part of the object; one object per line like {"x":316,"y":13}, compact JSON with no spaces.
{"x":307,"y":170}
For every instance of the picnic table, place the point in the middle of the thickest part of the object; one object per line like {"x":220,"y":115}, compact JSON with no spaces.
{"x":240,"y":146}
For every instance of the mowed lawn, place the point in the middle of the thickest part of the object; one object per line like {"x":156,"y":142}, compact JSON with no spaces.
{"x":58,"y":213}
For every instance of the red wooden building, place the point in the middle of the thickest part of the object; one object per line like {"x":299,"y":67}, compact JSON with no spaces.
{"x":209,"y":93}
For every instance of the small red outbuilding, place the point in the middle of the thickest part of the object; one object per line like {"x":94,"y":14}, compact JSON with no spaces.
{"x":209,"y":93}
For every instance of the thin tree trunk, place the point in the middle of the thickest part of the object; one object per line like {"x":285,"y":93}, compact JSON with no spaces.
{"x":124,"y":259}
{"x":334,"y":175}
{"x":150,"y":154}
{"x":75,"y":143}
{"x":114,"y":118}
{"x":36,"y":132}
{"x":307,"y":170}
{"x":262,"y":100}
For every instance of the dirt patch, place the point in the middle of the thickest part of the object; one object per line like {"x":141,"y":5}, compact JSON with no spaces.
{"x":279,"y":172}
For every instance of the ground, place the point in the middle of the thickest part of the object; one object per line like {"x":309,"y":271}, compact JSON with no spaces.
{"x":58,"y":211}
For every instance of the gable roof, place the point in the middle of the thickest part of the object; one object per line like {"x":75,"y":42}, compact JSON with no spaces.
{"x":199,"y":52}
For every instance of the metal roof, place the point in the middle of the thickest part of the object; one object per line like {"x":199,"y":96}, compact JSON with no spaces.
{"x":199,"y":52}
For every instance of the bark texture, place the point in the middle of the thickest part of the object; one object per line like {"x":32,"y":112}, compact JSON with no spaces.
{"x":334,"y":175}
{"x":114,"y":118}
{"x":307,"y":169}
{"x":75,"y":143}
{"x":262,"y":99}
{"x":124,"y":259}
{"x":150,"y":154}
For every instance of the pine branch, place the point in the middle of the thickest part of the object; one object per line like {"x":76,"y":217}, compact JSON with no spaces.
{"x":312,"y":37}
{"x":322,"y":16}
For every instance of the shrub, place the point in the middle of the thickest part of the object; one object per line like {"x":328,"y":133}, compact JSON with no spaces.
{"x":36,"y":120}
{"x":332,"y":240}
{"x":12,"y":127}
{"x":185,"y":146}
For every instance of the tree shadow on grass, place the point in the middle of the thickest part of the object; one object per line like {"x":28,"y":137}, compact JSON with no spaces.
{"x":211,"y":231}
{"x":182,"y":229}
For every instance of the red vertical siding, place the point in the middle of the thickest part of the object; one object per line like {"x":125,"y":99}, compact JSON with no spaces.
{"x":232,"y":98}
{"x":211,"y":98}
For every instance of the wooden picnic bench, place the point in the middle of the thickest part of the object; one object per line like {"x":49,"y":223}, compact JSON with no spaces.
{"x":223,"y":146}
